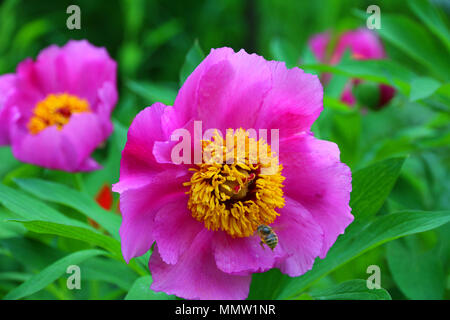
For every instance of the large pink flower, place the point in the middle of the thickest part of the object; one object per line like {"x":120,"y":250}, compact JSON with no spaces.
{"x":363,"y":44}
{"x":203,"y":220}
{"x":56,"y":110}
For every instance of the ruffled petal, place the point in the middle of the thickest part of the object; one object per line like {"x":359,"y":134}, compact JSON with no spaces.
{"x":294,"y":102}
{"x":138,"y":163}
{"x":299,"y":235}
{"x":175,"y":229}
{"x":7,"y":85}
{"x":67,"y":149}
{"x":317,"y":179}
{"x":238,"y":90}
{"x":244,"y":255}
{"x":139,"y":207}
{"x":195,"y":275}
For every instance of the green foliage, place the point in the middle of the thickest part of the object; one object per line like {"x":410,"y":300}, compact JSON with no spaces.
{"x":399,"y":155}
{"x":351,"y":290}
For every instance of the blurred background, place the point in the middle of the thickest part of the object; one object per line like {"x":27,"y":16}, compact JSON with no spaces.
{"x":151,"y":40}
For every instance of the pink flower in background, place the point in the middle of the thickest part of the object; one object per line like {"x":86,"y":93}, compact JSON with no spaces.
{"x":56,"y":110}
{"x":363,"y":44}
{"x":203,"y":217}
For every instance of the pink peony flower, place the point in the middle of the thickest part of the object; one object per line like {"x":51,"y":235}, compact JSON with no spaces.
{"x":56,"y":110}
{"x":204,"y":216}
{"x":363,"y":44}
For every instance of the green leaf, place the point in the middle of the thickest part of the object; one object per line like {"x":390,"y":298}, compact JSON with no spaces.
{"x":430,"y":16}
{"x":110,"y":271}
{"x":151,"y":92}
{"x":72,"y":198}
{"x":351,"y":245}
{"x":371,"y":186}
{"x":419,"y":275}
{"x":383,"y":71}
{"x":141,"y":291}
{"x":50,"y":274}
{"x":28,"y":208}
{"x":193,"y":58}
{"x":73,"y":232}
{"x":351,"y":290}
{"x":423,"y":87}
{"x":403,"y":33}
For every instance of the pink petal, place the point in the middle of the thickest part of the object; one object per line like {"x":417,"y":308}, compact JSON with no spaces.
{"x":138,"y":163}
{"x":317,"y":179}
{"x":175,"y":229}
{"x":139,"y":207}
{"x":195,"y":275}
{"x":7,"y":85}
{"x":299,"y":235}
{"x":318,"y":44}
{"x":294,"y":102}
{"x":244,"y":255}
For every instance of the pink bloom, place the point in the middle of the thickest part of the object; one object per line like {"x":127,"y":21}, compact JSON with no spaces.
{"x":56,"y":110}
{"x":363,"y":44}
{"x":204,"y":249}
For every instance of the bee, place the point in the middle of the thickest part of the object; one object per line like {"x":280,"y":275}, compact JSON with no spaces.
{"x":267,"y":235}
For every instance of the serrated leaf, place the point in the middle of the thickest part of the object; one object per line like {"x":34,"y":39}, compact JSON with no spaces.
{"x":351,"y":290}
{"x":50,"y":274}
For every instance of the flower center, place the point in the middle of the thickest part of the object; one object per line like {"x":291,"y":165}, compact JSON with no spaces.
{"x":238,"y":186}
{"x":56,"y":109}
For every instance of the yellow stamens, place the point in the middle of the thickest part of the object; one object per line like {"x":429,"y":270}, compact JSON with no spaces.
{"x":56,"y":109}
{"x":240,"y":187}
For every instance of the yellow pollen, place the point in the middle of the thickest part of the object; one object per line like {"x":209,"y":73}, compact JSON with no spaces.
{"x":238,"y":186}
{"x":56,"y":109}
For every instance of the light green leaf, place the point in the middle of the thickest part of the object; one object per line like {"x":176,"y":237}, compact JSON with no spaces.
{"x":430,"y":16}
{"x":351,"y":290}
{"x":423,"y":87}
{"x":74,"y":232}
{"x":371,"y":186}
{"x":403,"y":33}
{"x":141,"y":291}
{"x":77,"y":200}
{"x":50,"y":274}
{"x":193,"y":58}
{"x":419,"y":275}
{"x":351,"y":245}
{"x":28,"y":208}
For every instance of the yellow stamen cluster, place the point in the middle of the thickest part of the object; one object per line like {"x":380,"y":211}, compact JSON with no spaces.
{"x":56,"y":109}
{"x":238,"y":186}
